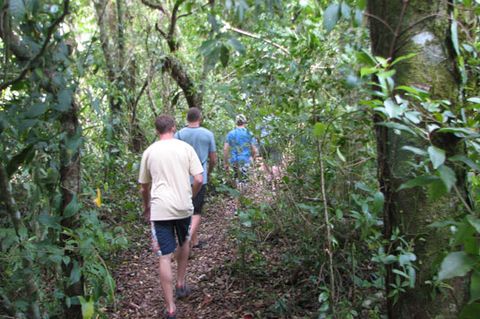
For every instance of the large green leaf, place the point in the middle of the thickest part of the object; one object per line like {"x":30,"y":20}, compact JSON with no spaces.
{"x":72,"y":208}
{"x":469,"y":133}
{"x":17,"y":8}
{"x":419,"y":181}
{"x":454,"y":32}
{"x":331,"y":16}
{"x":455,"y":264}
{"x":414,"y":150}
{"x":466,"y":160}
{"x":397,"y":126}
{"x":345,"y":10}
{"x":447,"y":175}
{"x":437,"y":156}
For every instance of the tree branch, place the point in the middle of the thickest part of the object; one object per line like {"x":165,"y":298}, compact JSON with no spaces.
{"x":255,"y":36}
{"x":156,"y":6}
{"x":50,"y":31}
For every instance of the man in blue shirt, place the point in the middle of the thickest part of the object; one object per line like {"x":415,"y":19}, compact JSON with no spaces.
{"x":203,"y":142}
{"x":239,"y":149}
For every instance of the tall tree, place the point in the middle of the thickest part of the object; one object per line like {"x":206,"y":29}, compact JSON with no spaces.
{"x":171,"y":64}
{"x":49,"y":57}
{"x":421,"y":27}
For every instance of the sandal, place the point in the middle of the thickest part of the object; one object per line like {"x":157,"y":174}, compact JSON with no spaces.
{"x":200,"y":244}
{"x":183,"y":292}
{"x":170,"y":315}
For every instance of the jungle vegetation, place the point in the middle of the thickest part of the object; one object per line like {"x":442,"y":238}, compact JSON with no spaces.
{"x":375,"y":107}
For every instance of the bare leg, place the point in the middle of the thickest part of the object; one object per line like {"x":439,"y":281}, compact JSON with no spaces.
{"x":165,"y":267}
{"x":194,"y":229}
{"x":182,"y":260}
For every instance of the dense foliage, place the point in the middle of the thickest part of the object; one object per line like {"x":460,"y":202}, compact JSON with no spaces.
{"x":82,"y":82}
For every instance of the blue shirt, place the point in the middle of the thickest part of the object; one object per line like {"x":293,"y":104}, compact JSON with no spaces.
{"x":240,"y":141}
{"x":203,"y":143}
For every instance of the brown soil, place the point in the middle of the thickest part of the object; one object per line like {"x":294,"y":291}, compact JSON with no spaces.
{"x":214,"y":291}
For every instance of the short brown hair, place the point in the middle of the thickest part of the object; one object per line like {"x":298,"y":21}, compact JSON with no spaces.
{"x":164,"y":123}
{"x":194,"y":114}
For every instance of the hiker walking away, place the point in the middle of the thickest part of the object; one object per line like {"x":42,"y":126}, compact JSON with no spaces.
{"x":164,"y":176}
{"x":203,"y":142}
{"x":239,"y":150}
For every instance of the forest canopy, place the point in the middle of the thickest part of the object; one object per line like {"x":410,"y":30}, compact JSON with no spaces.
{"x":372,"y":104}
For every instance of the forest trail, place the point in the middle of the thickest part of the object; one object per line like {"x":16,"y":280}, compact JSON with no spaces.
{"x":139,"y":293}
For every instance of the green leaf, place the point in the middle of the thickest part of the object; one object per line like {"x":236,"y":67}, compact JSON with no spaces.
{"x":455,"y":264}
{"x":447,"y":175}
{"x":76,"y":273}
{"x":466,"y":160}
{"x":397,"y":126}
{"x":367,"y":71}
{"x":454,"y":31}
{"x":475,"y":287}
{"x":340,"y":155}
{"x":72,"y":208}
{"x":362,"y":4}
{"x":414,"y":116}
{"x":24,"y":157}
{"x":364,"y":57}
{"x":378,"y":202}
{"x":358,"y":21}
{"x":345,"y":10}
{"x":412,"y":276}
{"x":436,"y":189}
{"x":406,"y":258}
{"x":236,"y":45}
{"x":331,"y":16}
{"x":474,"y":99}
{"x":224,"y":56}
{"x":475,"y":222}
{"x":412,"y":90}
{"x":319,"y":129}
{"x":207,"y":47}
{"x":88,"y":307}
{"x":461,"y":130}
{"x":437,"y":156}
{"x":392,"y":108}
{"x":418,"y":181}
{"x":36,"y":110}
{"x":65,"y":98}
{"x":414,"y":150}
{"x":17,"y":8}
{"x":402,"y":58}
{"x":470,"y":311}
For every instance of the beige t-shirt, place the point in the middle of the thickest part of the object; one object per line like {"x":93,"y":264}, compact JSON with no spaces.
{"x":167,"y":165}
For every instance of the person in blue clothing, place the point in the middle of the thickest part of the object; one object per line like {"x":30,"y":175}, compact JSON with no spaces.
{"x":203,"y":142}
{"x":239,"y":149}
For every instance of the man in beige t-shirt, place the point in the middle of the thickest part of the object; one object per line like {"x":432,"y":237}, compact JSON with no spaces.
{"x":167,"y":194}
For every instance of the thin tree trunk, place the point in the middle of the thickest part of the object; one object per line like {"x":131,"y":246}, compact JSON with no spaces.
{"x":398,"y":28}
{"x":70,"y":187}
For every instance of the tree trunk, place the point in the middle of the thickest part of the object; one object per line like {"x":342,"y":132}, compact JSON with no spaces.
{"x":398,"y":28}
{"x":70,"y":187}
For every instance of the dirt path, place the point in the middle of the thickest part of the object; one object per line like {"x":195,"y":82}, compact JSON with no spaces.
{"x":138,"y":288}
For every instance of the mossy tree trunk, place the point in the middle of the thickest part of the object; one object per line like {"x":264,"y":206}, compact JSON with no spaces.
{"x":399,"y":28}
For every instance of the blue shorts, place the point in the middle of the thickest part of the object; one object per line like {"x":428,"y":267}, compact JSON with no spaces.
{"x":163,"y":234}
